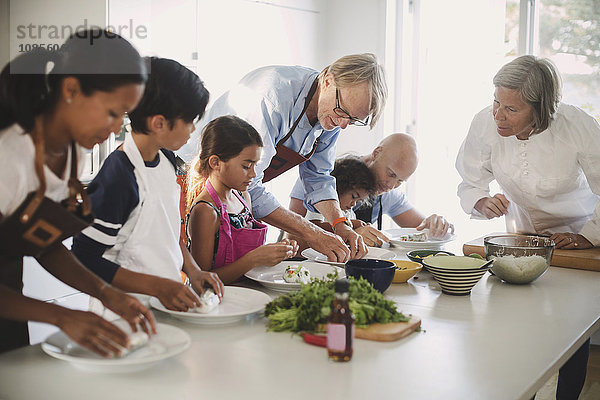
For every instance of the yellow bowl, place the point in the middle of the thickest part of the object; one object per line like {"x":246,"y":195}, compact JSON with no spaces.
{"x":405,"y":270}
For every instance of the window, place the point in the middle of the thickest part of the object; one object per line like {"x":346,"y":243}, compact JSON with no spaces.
{"x":457,"y":56}
{"x":565,"y":31}
{"x":569,"y":35}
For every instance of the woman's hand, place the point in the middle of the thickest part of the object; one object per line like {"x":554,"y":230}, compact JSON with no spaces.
{"x":273,"y":253}
{"x":129,"y":308}
{"x":372,"y":236}
{"x":570,"y":241}
{"x":92,"y":332}
{"x":177,"y":296}
{"x":493,"y":207}
{"x":200,"y":279}
{"x":437,"y":225}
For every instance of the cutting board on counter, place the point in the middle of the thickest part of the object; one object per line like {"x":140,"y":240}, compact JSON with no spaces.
{"x":384,"y":332}
{"x":579,"y":259}
{"x":388,"y":332}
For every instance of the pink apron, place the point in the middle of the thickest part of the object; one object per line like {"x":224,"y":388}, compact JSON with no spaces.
{"x":233,"y":242}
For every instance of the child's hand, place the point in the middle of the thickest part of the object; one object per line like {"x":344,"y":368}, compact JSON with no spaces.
{"x":129,"y":308}
{"x":176,"y":296}
{"x":357,"y":223}
{"x":372,"y":236}
{"x":203,"y":278}
{"x":292,"y":243}
{"x":273,"y":253}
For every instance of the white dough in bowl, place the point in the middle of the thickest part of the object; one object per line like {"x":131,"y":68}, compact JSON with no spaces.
{"x":519,"y":269}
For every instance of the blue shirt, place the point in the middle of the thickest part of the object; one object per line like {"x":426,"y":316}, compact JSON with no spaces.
{"x":393,"y":202}
{"x":271,"y":99}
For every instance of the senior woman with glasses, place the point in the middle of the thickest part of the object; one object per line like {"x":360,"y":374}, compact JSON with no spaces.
{"x":299,"y":113}
{"x":545,"y":155}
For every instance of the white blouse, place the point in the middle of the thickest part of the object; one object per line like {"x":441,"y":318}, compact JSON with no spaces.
{"x":552,"y":180}
{"x":17,"y":170}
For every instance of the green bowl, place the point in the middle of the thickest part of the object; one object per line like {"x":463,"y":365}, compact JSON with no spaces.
{"x":419,"y":255}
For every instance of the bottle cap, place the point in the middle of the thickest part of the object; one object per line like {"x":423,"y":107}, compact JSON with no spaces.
{"x":342,"y":285}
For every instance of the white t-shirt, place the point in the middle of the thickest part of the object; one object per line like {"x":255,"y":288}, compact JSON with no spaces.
{"x":552,"y":180}
{"x":17,"y":170}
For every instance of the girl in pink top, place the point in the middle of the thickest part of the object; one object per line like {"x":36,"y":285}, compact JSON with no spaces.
{"x":222,"y":233}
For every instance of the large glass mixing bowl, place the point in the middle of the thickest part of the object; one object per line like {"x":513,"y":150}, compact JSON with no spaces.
{"x":519,"y":258}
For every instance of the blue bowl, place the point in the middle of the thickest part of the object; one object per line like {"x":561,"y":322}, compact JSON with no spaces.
{"x":379,"y":273}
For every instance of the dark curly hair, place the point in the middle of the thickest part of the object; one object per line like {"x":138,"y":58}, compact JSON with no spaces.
{"x":351,"y":173}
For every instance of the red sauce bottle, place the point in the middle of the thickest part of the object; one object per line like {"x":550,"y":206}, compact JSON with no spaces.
{"x":340,"y":324}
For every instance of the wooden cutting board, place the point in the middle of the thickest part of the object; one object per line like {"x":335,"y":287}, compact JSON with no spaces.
{"x":579,"y":259}
{"x":384,"y":332}
{"x":388,"y":332}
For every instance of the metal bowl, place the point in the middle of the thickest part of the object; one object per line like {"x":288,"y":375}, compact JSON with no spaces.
{"x":519,"y":259}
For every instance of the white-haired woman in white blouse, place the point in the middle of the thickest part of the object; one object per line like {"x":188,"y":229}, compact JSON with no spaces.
{"x":545,"y":155}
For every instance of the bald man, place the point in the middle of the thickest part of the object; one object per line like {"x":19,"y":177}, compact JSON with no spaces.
{"x":392,"y":162}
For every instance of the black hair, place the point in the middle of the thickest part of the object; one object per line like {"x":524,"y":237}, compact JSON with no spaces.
{"x":351,"y":173}
{"x":98,"y":59}
{"x":172,"y":91}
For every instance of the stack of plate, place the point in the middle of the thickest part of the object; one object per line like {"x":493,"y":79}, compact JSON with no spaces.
{"x":456,"y":274}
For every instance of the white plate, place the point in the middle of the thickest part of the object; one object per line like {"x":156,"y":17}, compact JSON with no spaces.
{"x":394,"y":235}
{"x":374,"y":252}
{"x":168,"y":342}
{"x":236,"y":305}
{"x":272,"y":277}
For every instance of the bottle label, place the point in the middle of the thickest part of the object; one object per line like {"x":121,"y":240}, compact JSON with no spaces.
{"x":336,"y":337}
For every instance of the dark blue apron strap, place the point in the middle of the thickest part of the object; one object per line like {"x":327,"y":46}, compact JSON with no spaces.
{"x":380,"y":215}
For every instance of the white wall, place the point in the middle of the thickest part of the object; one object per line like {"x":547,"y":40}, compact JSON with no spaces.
{"x":458,"y":56}
{"x":37,"y":22}
{"x":233,"y":37}
{"x":355,"y":26}
{"x":4,"y":32}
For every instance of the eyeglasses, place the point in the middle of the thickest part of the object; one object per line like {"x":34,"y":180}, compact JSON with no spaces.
{"x":340,"y":112}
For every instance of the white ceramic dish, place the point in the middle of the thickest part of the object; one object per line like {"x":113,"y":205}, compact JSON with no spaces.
{"x":396,"y":233}
{"x":168,"y":342}
{"x":374,"y":252}
{"x":237,"y":304}
{"x":272,"y":277}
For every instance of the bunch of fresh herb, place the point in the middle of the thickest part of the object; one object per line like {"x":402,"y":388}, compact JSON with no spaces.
{"x":310,"y":306}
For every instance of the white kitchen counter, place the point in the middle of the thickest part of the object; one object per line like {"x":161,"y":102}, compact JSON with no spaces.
{"x":501,"y":342}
